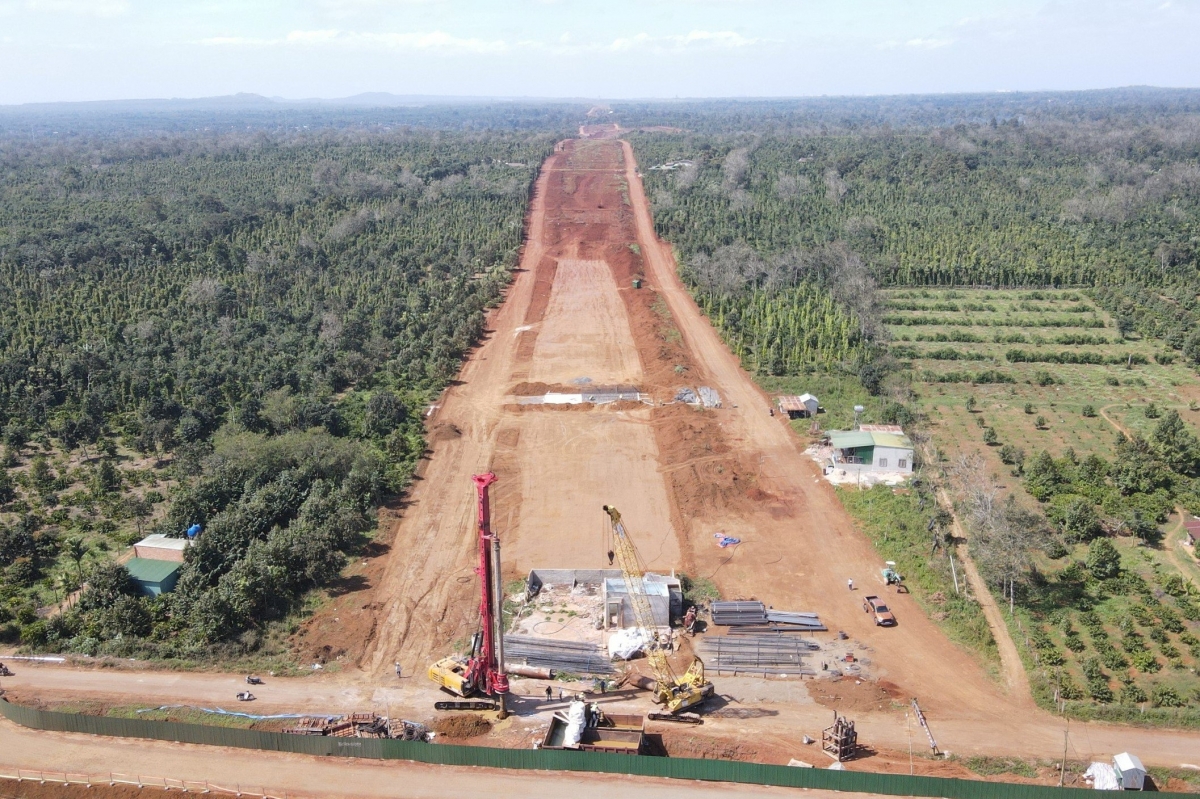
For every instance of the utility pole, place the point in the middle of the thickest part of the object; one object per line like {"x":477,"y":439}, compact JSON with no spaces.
{"x":1062,"y":770}
{"x":908,"y":732}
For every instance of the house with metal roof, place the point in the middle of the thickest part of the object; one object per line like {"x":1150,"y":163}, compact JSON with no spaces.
{"x":801,"y":407}
{"x":872,"y":450}
{"x":160,"y":547}
{"x":154,"y":577}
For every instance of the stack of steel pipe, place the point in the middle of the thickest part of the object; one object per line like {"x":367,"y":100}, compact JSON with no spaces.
{"x":796,"y":621}
{"x":765,"y":654}
{"x":756,"y":615}
{"x":733,"y":614}
{"x":575,"y":657}
{"x":774,"y":629}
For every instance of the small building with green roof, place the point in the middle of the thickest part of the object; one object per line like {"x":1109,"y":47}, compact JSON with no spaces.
{"x":877,"y":448}
{"x":154,"y":577}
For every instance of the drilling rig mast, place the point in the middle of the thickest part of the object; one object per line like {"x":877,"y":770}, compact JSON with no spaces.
{"x":481,"y":673}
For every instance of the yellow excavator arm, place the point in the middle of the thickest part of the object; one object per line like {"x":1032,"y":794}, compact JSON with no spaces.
{"x":673,"y":692}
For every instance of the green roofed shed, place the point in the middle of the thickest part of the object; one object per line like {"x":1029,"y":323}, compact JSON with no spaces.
{"x":154,"y":577}
{"x":896,"y":440}
{"x":852,"y":439}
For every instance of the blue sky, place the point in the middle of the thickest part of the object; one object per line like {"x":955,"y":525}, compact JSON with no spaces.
{"x":110,"y":49}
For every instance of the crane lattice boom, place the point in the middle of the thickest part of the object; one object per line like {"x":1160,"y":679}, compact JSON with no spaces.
{"x":635,"y":584}
{"x":674,"y":692}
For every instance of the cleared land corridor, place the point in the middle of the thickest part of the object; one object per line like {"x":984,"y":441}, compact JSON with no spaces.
{"x":563,"y":319}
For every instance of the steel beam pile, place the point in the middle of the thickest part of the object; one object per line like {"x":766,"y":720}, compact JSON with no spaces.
{"x":735,"y":614}
{"x":756,"y":616}
{"x":798,"y":621}
{"x":762,"y":654}
{"x":575,"y":657}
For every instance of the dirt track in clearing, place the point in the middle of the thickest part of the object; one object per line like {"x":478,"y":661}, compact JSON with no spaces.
{"x":569,"y":319}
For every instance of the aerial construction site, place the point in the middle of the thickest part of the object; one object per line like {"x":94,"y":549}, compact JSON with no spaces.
{"x":487,"y":611}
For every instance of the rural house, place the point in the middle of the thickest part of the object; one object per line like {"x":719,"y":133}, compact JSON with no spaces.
{"x":878,"y":448}
{"x":801,"y":407}
{"x":154,"y":577}
{"x":160,"y":547}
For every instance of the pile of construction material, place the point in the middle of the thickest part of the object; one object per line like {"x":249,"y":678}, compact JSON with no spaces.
{"x":755,"y":618}
{"x":759,"y":654}
{"x":704,"y":396}
{"x":573,"y":657}
{"x":360,"y":725}
{"x":840,"y":739}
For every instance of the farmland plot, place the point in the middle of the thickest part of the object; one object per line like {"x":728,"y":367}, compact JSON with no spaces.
{"x":1043,"y":384}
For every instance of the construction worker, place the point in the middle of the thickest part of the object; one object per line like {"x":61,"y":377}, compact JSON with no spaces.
{"x":689,"y":621}
{"x":549,"y":693}
{"x":397,"y":670}
{"x":850,"y":584}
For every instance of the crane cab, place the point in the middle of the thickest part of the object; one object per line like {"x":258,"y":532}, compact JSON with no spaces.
{"x":451,"y":674}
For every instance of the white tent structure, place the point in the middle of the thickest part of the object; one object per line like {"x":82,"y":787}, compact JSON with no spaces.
{"x":1131,"y":774}
{"x":1102,"y":777}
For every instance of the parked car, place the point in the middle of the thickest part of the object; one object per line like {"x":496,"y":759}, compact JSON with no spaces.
{"x":877,"y":608}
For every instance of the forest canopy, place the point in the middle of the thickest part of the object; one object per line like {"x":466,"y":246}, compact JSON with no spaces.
{"x":235,"y":331}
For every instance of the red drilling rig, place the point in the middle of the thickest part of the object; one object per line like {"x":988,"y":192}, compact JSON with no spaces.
{"x":482,"y":672}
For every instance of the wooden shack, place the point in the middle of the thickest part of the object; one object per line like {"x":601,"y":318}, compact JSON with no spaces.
{"x":801,"y":407}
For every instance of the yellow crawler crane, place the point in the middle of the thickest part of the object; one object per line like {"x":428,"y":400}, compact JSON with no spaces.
{"x":672,"y":692}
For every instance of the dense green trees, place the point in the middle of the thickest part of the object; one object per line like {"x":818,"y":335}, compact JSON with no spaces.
{"x":1108,"y":202}
{"x":263,"y":316}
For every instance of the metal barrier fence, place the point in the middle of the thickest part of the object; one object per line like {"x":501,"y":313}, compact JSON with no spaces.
{"x":141,"y":781}
{"x":539,"y":760}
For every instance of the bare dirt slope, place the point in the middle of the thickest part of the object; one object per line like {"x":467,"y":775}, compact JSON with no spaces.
{"x":564,"y":320}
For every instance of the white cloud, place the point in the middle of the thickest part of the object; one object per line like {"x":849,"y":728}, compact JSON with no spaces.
{"x":313,"y":37}
{"x":89,"y":8}
{"x":435,"y":41}
{"x":441,"y":42}
{"x":237,"y":41}
{"x":928,"y":44}
{"x":693,"y":39}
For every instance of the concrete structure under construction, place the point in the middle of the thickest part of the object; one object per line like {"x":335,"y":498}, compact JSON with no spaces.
{"x":664,"y":592}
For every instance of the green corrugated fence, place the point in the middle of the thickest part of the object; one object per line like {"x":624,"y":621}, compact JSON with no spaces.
{"x":545,"y":760}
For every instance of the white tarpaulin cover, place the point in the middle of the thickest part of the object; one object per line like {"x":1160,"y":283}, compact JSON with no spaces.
{"x":1130,"y":771}
{"x":1102,"y":776}
{"x":576,"y":722}
{"x":627,"y":642}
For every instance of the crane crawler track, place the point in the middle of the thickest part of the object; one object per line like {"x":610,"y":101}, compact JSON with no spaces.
{"x":464,"y":705}
{"x":681,"y":718}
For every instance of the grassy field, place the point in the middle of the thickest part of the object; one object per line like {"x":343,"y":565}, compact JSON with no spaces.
{"x":1048,"y":370}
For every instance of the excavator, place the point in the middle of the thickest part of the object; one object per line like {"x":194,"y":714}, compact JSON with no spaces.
{"x":481,"y":673}
{"x":673,"y":692}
